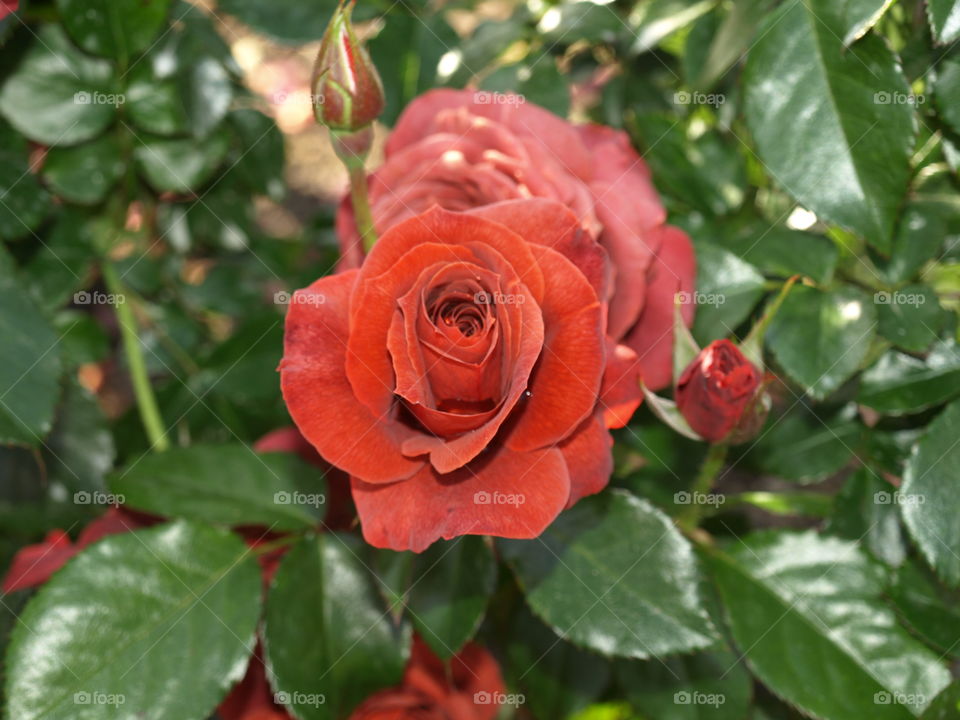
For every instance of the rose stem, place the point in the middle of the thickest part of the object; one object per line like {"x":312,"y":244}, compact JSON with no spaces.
{"x":146,"y":401}
{"x":361,"y":204}
{"x":711,"y":467}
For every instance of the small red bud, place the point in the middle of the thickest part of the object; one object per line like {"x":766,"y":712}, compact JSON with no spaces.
{"x":347,"y":91}
{"x":719,"y":394}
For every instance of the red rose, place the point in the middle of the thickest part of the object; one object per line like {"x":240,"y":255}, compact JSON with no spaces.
{"x":456,"y":375}
{"x":715,"y":390}
{"x":466,"y":688}
{"x":461,"y":149}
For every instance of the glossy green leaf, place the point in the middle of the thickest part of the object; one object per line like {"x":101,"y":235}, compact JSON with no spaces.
{"x":653,"y":21}
{"x":706,"y":686}
{"x":180,"y":165}
{"x":63,"y":264}
{"x":821,"y":337}
{"x":900,"y":383}
{"x":921,"y":230}
{"x":946,"y":705}
{"x":329,"y":639}
{"x":115,"y":28}
{"x":538,"y":82}
{"x":288,"y":21}
{"x":84,"y":174}
{"x":728,"y":288}
{"x":153,"y":103}
{"x":444,"y":590}
{"x":226,"y":484}
{"x":260,"y":161}
{"x":944,"y":18}
{"x":866,"y":510}
{"x":930,"y":610}
{"x":731,"y":40}
{"x":932,"y":480}
{"x":23,"y":202}
{"x":29,"y":364}
{"x":910,"y":317}
{"x":947,"y":90}
{"x":808,"y":614}
{"x":80,"y":450}
{"x":858,"y":16}
{"x":783,"y":252}
{"x":57,"y":95}
{"x":832,"y":126}
{"x":614,"y":575}
{"x":806,"y":446}
{"x":555,"y":677}
{"x":155,"y":623}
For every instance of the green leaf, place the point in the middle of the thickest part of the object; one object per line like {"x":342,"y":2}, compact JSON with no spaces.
{"x":932,"y":480}
{"x":731,"y":40}
{"x":783,"y":252}
{"x":707,"y":686}
{"x":821,"y":126}
{"x":805,"y":447}
{"x":866,"y":511}
{"x":57,"y":95}
{"x":614,"y":575}
{"x":176,"y":605}
{"x":911,"y":317}
{"x":29,"y":365}
{"x":727,"y":290}
{"x":289,"y":21}
{"x":538,"y":82}
{"x":23,"y":202}
{"x":114,"y":28}
{"x":571,"y":21}
{"x":153,"y":103}
{"x":326,"y":631}
{"x":931,"y":611}
{"x":63,"y":263}
{"x":807,"y":612}
{"x":944,"y":18}
{"x":260,"y":161}
{"x":946,"y":705}
{"x":445,"y":589}
{"x":947,"y":89}
{"x":180,"y":165}
{"x":80,"y":450}
{"x":555,"y":677}
{"x":226,"y":485}
{"x":821,"y":337}
{"x":84,"y":174}
{"x":920,"y":233}
{"x":858,"y":16}
{"x":900,"y":383}
{"x":653,"y":21}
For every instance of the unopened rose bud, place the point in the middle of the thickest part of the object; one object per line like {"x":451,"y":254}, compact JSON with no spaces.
{"x":347,"y":91}
{"x":719,"y":392}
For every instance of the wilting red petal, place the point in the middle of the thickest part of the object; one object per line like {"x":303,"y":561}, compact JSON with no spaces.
{"x":319,"y":396}
{"x":673,"y":271}
{"x":564,"y":386}
{"x":479,"y":499}
{"x":588,"y":457}
{"x":34,"y":564}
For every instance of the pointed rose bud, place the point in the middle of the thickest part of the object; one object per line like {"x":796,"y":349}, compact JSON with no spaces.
{"x":718,"y":391}
{"x":347,"y":92}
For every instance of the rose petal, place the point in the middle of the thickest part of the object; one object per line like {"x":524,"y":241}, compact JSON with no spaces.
{"x":413,"y":513}
{"x":588,"y":457}
{"x":673,"y":271}
{"x":620,"y":394}
{"x":319,"y":396}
